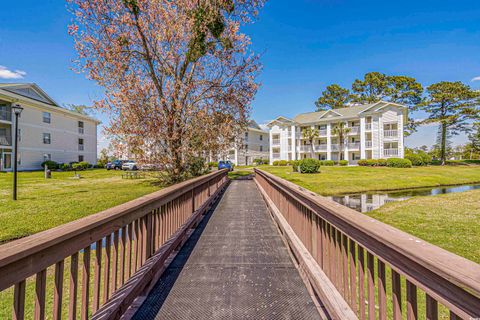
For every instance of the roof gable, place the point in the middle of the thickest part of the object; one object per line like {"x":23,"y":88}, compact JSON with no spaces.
{"x":29,"y":90}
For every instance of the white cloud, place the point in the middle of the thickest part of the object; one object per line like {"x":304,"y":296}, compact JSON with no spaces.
{"x":476,"y":79}
{"x":11,"y":74}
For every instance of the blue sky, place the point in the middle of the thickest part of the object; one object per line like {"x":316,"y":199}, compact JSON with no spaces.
{"x":305,"y":46}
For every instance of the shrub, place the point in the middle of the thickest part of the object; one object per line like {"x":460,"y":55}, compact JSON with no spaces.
{"x":343,"y":162}
{"x":265,"y":161}
{"x":372,"y":162}
{"x":275,"y":163}
{"x":415,"y":158}
{"x":362,"y":162}
{"x":196,"y":166}
{"x":64,"y":167}
{"x":328,"y":163}
{"x":84,"y":165}
{"x":212,"y":164}
{"x":295,"y":165}
{"x":381,"y":162}
{"x":52,"y":165}
{"x":282,"y":163}
{"x":309,"y":165}
{"x":399,"y":163}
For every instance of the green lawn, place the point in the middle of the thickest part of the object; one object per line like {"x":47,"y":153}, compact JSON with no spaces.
{"x":450,"y":221}
{"x":347,"y":180}
{"x":43,"y":204}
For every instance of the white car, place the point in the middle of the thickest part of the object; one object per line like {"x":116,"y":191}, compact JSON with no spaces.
{"x":129,"y":165}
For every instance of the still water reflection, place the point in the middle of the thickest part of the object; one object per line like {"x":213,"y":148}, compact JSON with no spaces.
{"x":365,"y":202}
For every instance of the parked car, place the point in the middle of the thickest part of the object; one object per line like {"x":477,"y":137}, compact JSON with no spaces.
{"x":225,"y":165}
{"x":115,"y":165}
{"x":129,"y":165}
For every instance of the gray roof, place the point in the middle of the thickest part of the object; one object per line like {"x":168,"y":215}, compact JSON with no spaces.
{"x":342,"y":113}
{"x":253,"y":124}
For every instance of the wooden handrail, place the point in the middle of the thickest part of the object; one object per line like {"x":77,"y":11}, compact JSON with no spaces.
{"x":445,"y":277}
{"x":131,"y":232}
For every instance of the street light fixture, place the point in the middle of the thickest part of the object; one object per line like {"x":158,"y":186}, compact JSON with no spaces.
{"x":17,"y":109}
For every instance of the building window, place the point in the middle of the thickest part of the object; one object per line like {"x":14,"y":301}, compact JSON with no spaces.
{"x":80,"y":158}
{"x":80,"y":144}
{"x":80,"y":127}
{"x":261,"y":137}
{"x":261,"y":148}
{"x":46,"y":117}
{"x":19,"y":133}
{"x":246,"y":147}
{"x":246,"y":135}
{"x":47,"y":157}
{"x":47,"y":138}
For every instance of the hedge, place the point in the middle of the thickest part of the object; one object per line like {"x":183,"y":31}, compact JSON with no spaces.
{"x":343,"y":163}
{"x":399,"y":163}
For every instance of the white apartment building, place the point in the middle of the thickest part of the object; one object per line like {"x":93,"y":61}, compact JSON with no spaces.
{"x":46,"y":131}
{"x":375,"y":132}
{"x":254,"y":144}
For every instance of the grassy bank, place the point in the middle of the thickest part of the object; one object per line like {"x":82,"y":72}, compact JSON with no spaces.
{"x":450,"y":221}
{"x":44,"y":204}
{"x":347,"y":180}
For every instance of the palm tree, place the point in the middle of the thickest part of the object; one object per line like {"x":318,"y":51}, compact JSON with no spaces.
{"x":340,"y":130}
{"x":310,"y":134}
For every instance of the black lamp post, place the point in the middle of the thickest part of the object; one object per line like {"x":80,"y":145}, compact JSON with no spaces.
{"x":17,"y":109}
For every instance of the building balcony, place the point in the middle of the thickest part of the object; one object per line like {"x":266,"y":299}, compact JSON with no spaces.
{"x":276,"y":155}
{"x":390,"y":152}
{"x":368,"y":127}
{"x":368,"y":144}
{"x":354,"y":130}
{"x":5,"y":141}
{"x":306,"y":148}
{"x":390,"y":134}
{"x":322,"y":132}
{"x":354,"y":145}
{"x":5,"y":115}
{"x":321,"y":148}
{"x":289,"y":148}
{"x":275,"y":142}
{"x":335,"y":147}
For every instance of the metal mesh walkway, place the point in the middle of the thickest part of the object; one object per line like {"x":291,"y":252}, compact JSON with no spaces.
{"x":235,"y":266}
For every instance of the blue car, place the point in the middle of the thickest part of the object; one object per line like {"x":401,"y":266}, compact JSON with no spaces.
{"x":225,"y":165}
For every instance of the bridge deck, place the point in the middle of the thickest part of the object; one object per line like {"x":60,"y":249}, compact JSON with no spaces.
{"x":234,"y":266}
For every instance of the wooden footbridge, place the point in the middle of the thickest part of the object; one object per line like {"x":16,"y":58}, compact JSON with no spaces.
{"x":210,"y":248}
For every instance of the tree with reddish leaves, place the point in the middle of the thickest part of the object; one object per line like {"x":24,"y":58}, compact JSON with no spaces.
{"x":178,"y":75}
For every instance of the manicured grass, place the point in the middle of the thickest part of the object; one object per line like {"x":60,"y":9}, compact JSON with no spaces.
{"x":44,"y":204}
{"x":450,"y":221}
{"x":239,"y":173}
{"x":347,"y":180}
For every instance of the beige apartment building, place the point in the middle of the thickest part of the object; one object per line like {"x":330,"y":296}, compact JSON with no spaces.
{"x":253,"y":144}
{"x":46,"y":131}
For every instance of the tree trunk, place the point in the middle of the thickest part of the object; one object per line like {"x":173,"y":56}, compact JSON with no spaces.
{"x":443,"y":144}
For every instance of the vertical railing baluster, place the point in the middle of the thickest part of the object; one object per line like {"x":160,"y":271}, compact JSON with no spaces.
{"x":106,"y":269}
{"x":432,"y":308}
{"x":85,"y":284}
{"x":58,"y":291}
{"x":97,"y":275}
{"x":72,"y":297}
{"x":128,"y":256}
{"x":123,"y":240}
{"x":40,"y":287}
{"x":113,"y":282}
{"x":353,"y":275}
{"x":396,"y":295}
{"x":361,"y":282}
{"x":412,"y":312}
{"x":382,"y":290}
{"x":346,"y":291}
{"x":371,"y":285}
{"x":19,"y":301}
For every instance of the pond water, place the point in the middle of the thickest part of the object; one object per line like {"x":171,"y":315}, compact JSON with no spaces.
{"x":365,"y":202}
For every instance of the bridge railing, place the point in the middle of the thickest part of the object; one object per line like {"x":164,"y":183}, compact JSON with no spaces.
{"x":363,"y":268}
{"x":99,"y":264}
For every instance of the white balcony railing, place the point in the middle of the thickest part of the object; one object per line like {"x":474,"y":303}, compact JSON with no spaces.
{"x":322,"y":132}
{"x":306,"y":148}
{"x":335,"y":147}
{"x":354,"y":130}
{"x":354,"y":145}
{"x":390,"y":133}
{"x":5,"y":141}
{"x":321,"y":147}
{"x":368,"y":144}
{"x":390,"y":152}
{"x":276,"y":155}
{"x":368,"y":126}
{"x":289,"y":147}
{"x":275,"y":142}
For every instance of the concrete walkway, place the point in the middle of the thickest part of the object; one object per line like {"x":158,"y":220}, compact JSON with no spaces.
{"x":235,"y":266}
